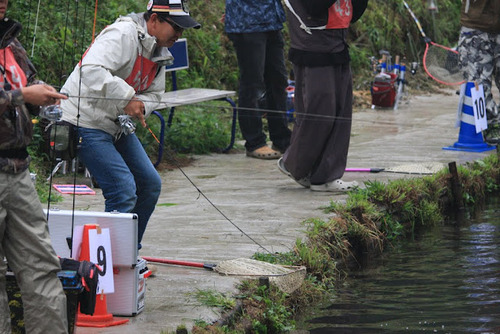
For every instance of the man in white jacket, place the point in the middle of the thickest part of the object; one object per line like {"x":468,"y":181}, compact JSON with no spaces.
{"x":122,"y":76}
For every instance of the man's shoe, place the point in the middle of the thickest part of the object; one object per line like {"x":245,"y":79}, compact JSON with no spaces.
{"x":492,"y":134}
{"x":335,"y":186}
{"x":304,"y":182}
{"x":264,"y":152}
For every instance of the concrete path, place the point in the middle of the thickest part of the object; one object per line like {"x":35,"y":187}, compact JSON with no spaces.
{"x":265,"y":205}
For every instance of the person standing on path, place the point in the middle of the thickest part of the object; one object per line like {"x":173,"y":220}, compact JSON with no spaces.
{"x":122,"y":76}
{"x":24,"y":236}
{"x":479,"y":50}
{"x":255,"y":27}
{"x":317,"y":155}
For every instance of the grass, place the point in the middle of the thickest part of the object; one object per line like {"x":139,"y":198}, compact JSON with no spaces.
{"x":369,"y":221}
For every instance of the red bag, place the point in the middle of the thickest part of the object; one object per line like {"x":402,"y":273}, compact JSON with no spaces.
{"x":384,"y":90}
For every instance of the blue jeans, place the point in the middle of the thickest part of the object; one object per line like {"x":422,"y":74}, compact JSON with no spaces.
{"x":263,"y":82}
{"x":124,"y":172}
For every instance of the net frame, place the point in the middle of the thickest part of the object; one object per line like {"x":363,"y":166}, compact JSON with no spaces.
{"x":433,"y":67}
{"x":441,"y":63}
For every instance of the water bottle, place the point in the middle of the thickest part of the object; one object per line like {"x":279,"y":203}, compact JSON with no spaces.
{"x":51,"y":113}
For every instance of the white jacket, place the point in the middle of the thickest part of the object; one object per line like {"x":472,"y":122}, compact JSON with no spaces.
{"x":97,"y":89}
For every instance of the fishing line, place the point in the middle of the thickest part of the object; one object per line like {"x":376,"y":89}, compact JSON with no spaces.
{"x":200,"y":192}
{"x":78,"y":118}
{"x":208,"y":200}
{"x":175,"y":162}
{"x":78,"y":123}
{"x":63,"y":44}
{"x":52,"y":161}
{"x":308,"y":117}
{"x":34,"y":31}
{"x":29,"y":22}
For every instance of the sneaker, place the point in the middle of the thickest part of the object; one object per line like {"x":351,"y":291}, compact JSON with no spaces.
{"x":304,"y":182}
{"x":264,"y":152}
{"x":335,"y":186}
{"x":492,"y":134}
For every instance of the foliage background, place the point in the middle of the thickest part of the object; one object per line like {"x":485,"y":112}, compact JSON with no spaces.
{"x":63,"y":29}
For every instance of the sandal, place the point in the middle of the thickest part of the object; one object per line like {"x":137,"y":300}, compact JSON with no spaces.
{"x":264,"y":152}
{"x":335,"y":186}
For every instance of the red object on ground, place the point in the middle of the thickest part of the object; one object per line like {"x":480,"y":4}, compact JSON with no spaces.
{"x":384,"y":90}
{"x":180,"y":263}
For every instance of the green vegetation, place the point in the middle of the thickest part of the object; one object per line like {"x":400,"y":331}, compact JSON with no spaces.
{"x":266,"y":309}
{"x":65,"y":29}
{"x":368,"y":222}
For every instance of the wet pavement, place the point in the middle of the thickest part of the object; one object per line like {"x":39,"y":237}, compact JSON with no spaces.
{"x":252,"y":207}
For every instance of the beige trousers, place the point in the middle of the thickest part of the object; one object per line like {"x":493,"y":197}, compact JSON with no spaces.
{"x":25,"y":243}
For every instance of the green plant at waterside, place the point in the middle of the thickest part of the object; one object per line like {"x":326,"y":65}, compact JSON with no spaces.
{"x":338,"y":242}
{"x":213,"y":298}
{"x":266,"y":309}
{"x":270,"y":314}
{"x":369,"y":219}
{"x":478,"y":178}
{"x":288,"y":259}
{"x":315,"y":257}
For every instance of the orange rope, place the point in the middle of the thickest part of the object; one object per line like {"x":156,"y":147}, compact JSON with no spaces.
{"x":95,"y":19}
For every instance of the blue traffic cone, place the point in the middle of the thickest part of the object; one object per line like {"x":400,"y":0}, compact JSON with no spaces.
{"x":468,"y":139}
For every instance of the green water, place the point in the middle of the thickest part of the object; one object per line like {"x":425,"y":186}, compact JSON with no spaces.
{"x":447,"y":281}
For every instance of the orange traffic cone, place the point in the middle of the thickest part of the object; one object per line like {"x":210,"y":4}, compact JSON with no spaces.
{"x":101,"y":317}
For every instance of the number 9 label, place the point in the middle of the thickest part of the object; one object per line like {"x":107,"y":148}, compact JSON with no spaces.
{"x":100,"y":254}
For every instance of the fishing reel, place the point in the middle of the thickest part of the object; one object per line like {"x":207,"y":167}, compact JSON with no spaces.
{"x":128,"y":127}
{"x":413,"y":67}
{"x":52,"y":113}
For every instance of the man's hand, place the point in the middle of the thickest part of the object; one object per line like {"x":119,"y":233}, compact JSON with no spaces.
{"x":41,"y":95}
{"x":135,"y":109}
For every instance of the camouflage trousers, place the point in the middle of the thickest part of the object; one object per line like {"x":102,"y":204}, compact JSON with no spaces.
{"x":480,"y":61}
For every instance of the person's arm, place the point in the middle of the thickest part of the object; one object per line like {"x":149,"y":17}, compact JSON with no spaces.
{"x":317,"y":7}
{"x":38,"y":95}
{"x":41,"y":95}
{"x":359,"y":7}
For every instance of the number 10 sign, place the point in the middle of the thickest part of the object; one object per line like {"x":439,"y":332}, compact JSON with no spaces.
{"x":100,"y":254}
{"x":479,"y":107}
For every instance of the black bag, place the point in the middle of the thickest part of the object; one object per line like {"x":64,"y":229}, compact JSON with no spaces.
{"x":89,"y":274}
{"x":62,"y":140}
